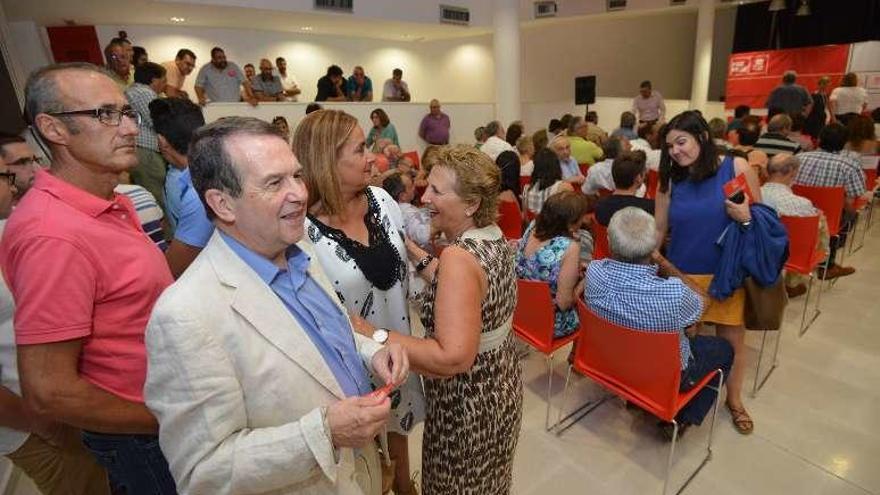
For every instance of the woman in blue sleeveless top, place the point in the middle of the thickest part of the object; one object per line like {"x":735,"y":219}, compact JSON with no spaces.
{"x":692,"y":208}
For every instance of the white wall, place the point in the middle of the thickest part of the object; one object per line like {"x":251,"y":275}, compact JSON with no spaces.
{"x":451,"y":70}
{"x":465,"y":117}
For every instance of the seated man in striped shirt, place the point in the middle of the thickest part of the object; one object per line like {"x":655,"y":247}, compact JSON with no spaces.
{"x":627,"y":290}
{"x":776,"y":139}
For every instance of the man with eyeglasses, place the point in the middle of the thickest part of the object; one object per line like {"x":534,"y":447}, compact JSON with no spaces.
{"x":85,"y":277}
{"x":20,"y":160}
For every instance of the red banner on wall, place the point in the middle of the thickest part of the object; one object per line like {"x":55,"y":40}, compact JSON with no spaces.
{"x":751,"y":76}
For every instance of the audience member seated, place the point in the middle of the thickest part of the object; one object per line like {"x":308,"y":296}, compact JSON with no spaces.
{"x":582,"y":149}
{"x":827,"y":167}
{"x":396,"y":89}
{"x":221,"y":81}
{"x":416,"y":221}
{"x":739,"y":113}
{"x":564,"y":121}
{"x":495,"y":142}
{"x":571,"y":171}
{"x":279,"y":123}
{"x":514,"y":131}
{"x":627,"y":127}
{"x":671,"y":304}
{"x":546,"y":181}
{"x":313,"y":107}
{"x":434,"y":128}
{"x":249,"y":71}
{"x":480,"y":137}
{"x":540,"y":139}
{"x":789,"y":97}
{"x":555,"y":128}
{"x":595,"y":133}
{"x":176,"y":71}
{"x":288,"y":81}
{"x":525,"y":146}
{"x":650,"y":133}
{"x":718,"y":129}
{"x":549,"y":252}
{"x":777,"y":194}
{"x":599,"y":175}
{"x":797,"y":135}
{"x":628,"y":172}
{"x":849,"y":99}
{"x":176,"y":120}
{"x":776,"y":139}
{"x":861,"y":138}
{"x":508,"y":163}
{"x":331,"y":86}
{"x":743,"y":140}
{"x":359,"y":87}
{"x":267,"y":86}
{"x":382,"y":129}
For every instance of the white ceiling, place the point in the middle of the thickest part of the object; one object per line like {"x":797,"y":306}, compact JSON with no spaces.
{"x":400,"y":20}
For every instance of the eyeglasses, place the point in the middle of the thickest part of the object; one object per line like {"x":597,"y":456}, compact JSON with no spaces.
{"x":10,"y":177}
{"x":106,"y":116}
{"x":26,"y":161}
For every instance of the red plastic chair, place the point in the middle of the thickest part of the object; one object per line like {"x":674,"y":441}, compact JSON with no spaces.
{"x":510,"y":219}
{"x":828,"y":199}
{"x":601,"y":249}
{"x":641,"y":367}
{"x":533,"y":322}
{"x":653,"y":181}
{"x":804,"y":258}
{"x":414,"y":156}
{"x":584,"y":168}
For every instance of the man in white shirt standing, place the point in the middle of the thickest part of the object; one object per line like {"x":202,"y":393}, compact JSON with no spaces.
{"x":396,"y":89}
{"x":648,"y":106}
{"x":288,"y":82}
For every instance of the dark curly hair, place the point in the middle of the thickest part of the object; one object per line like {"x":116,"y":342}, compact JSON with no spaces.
{"x":705,"y":166}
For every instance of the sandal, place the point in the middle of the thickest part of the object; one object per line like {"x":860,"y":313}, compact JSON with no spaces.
{"x":741,"y":419}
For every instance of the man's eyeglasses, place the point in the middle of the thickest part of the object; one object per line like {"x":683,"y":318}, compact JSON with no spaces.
{"x":9,"y":176}
{"x":27,"y":161}
{"x":106,"y":116}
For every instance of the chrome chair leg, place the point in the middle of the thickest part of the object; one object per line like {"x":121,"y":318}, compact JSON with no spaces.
{"x":759,"y":382}
{"x":549,"y":360}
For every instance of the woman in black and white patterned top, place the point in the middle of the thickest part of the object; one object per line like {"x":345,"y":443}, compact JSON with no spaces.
{"x":357,"y":232}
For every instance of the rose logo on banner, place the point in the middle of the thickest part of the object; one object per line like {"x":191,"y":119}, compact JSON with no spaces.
{"x":740,"y":66}
{"x":760,"y":63}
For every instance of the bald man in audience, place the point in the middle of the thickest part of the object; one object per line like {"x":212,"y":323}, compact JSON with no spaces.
{"x":571,"y":171}
{"x":267,"y":86}
{"x":434,"y":128}
{"x":776,"y":139}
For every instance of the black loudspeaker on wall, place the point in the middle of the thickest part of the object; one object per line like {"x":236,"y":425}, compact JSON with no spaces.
{"x":585,"y":90}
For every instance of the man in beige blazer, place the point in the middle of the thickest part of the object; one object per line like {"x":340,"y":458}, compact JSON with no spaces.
{"x":254,"y":374}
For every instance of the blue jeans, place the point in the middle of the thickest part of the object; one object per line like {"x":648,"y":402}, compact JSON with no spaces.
{"x":134,"y":462}
{"x":709,"y":353}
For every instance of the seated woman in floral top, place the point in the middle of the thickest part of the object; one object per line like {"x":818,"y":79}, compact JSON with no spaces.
{"x":548,"y":252}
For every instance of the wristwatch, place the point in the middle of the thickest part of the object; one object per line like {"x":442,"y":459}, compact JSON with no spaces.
{"x":380,"y":336}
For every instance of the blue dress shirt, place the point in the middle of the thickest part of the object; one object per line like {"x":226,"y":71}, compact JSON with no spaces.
{"x":193,"y":227}
{"x":326,"y":325}
{"x":569,"y":168}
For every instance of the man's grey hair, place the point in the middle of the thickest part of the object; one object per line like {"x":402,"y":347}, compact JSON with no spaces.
{"x":574,"y":124}
{"x":783,"y":164}
{"x":210,"y":164}
{"x":492,"y":128}
{"x":779,"y":123}
{"x":789,"y":77}
{"x":718,"y":128}
{"x":632,"y":235}
{"x":42,"y":93}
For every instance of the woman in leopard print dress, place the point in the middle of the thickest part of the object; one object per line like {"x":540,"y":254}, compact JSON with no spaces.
{"x":473,"y":382}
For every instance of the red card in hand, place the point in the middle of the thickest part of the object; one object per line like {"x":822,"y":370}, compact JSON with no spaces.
{"x":738,"y":183}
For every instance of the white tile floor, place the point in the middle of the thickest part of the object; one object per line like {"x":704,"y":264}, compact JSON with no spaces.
{"x":815,"y":430}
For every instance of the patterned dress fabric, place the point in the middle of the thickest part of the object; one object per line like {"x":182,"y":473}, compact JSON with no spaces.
{"x":383,"y":308}
{"x":544,"y":265}
{"x":473,"y":418}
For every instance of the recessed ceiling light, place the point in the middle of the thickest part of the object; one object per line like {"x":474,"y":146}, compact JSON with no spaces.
{"x":306,"y":28}
{"x":177,"y":19}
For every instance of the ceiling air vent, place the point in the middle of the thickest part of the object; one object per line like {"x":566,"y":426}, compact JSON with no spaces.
{"x":545,"y":9}
{"x":455,"y":15}
{"x":335,"y":5}
{"x":616,"y":5}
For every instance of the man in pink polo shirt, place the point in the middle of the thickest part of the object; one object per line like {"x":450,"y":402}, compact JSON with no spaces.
{"x":85,"y":276}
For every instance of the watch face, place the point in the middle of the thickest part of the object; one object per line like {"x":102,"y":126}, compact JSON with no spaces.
{"x":380,"y":335}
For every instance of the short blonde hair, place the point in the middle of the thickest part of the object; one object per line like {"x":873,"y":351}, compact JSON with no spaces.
{"x":317,"y":142}
{"x":477,"y":179}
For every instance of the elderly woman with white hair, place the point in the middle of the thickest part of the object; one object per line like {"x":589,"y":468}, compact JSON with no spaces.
{"x":666,"y":305}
